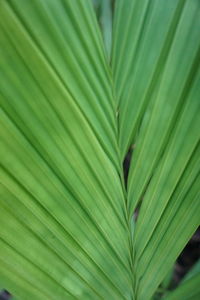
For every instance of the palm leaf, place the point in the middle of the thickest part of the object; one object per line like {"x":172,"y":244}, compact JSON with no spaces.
{"x":104,"y":15}
{"x":66,"y":226}
{"x":60,"y":191}
{"x":159,"y":57}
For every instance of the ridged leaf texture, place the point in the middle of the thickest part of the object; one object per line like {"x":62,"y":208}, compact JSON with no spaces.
{"x":73,"y":102}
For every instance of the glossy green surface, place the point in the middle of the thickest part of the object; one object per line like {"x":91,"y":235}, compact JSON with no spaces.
{"x":67,"y":119}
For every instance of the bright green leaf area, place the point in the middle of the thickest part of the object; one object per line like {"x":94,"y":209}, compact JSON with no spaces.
{"x":73,"y":101}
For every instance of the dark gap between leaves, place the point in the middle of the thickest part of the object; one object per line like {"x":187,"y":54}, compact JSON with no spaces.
{"x":5,"y":295}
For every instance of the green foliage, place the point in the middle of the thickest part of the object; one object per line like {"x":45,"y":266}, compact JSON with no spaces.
{"x":189,"y":287}
{"x":68,"y":118}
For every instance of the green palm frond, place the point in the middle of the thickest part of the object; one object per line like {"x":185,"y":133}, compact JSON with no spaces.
{"x":68,"y":118}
